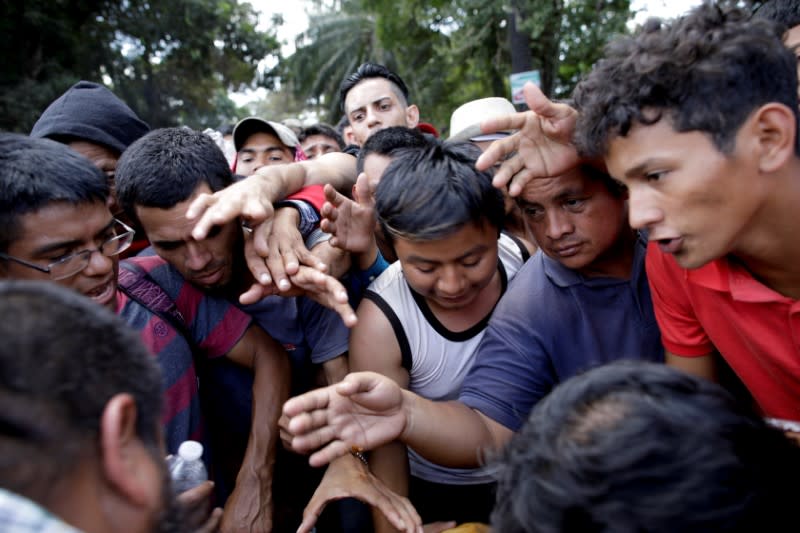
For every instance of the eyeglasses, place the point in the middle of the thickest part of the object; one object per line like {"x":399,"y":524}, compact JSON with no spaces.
{"x":73,"y":263}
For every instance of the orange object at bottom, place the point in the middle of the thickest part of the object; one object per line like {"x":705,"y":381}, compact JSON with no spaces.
{"x":469,"y":527}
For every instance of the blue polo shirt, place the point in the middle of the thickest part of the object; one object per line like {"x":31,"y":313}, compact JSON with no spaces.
{"x":553,"y":323}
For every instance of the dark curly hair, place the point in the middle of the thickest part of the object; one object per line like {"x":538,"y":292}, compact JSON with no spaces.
{"x":784,"y":12}
{"x":706,"y":71}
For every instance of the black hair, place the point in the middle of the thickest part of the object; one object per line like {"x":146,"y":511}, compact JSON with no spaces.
{"x":388,"y":141}
{"x":430,"y":193}
{"x":164,"y":168}
{"x":35,"y":173}
{"x":784,"y":12}
{"x":706,"y":71}
{"x":321,"y":129}
{"x":635,"y":446}
{"x":63,"y":357}
{"x":373,"y":70}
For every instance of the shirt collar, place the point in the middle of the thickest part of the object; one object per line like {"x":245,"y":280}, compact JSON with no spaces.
{"x":566,"y":277}
{"x":728,"y":275}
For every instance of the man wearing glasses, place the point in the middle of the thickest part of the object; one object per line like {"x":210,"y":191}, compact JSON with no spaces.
{"x":114,"y":238}
{"x":54,"y":220}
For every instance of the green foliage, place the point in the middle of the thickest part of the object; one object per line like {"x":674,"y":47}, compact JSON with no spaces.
{"x":586,"y":26}
{"x":172,"y":61}
{"x":352,"y":32}
{"x":450,"y":52}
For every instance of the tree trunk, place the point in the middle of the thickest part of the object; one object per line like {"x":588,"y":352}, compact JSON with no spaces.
{"x":519,"y":42}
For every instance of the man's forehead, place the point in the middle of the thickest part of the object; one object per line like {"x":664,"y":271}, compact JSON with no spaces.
{"x":367,"y":91}
{"x":642,"y":142}
{"x":262,"y":140}
{"x":543,"y":189}
{"x":92,"y":150}
{"x":171,"y":219}
{"x":319,"y":138}
{"x":64,"y":222}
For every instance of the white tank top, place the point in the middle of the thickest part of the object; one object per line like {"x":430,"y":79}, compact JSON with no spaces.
{"x":437,"y":359}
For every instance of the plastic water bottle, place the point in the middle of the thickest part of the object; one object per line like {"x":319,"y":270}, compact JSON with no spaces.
{"x":187,"y":469}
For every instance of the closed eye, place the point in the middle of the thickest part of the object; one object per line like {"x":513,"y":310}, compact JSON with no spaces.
{"x":574,"y":203}
{"x":532,"y":210}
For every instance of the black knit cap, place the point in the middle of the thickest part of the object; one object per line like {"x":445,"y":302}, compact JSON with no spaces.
{"x":89,"y":111}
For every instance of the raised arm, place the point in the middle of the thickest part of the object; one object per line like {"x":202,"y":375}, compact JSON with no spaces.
{"x":541,"y":148}
{"x":352,"y":222}
{"x":249,"y":507}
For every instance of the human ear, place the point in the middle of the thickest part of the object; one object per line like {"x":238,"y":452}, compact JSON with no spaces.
{"x":412,"y":116}
{"x":123,"y":451}
{"x":775,"y":127}
{"x":347,"y":133}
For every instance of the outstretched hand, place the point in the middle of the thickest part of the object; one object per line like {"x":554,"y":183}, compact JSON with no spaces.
{"x":283,"y":254}
{"x":352,"y":223}
{"x":249,"y":199}
{"x":320,"y":287}
{"x":365,"y":410}
{"x":541,"y":148}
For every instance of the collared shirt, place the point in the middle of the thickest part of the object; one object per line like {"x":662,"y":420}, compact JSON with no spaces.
{"x":21,"y":515}
{"x":720,"y":306}
{"x":553,"y":323}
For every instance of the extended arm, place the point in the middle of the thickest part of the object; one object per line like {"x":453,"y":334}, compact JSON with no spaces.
{"x":352,"y":222}
{"x":252,"y":199}
{"x":368,"y":409}
{"x":249,"y":507}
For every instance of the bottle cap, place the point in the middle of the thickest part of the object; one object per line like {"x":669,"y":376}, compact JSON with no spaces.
{"x":190,"y":450}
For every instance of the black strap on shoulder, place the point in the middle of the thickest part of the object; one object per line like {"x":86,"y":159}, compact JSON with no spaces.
{"x":134,"y":281}
{"x":138,"y":286}
{"x":523,"y":250}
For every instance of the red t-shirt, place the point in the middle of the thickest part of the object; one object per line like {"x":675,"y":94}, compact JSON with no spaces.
{"x":721,"y":306}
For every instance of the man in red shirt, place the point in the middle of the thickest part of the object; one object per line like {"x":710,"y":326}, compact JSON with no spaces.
{"x":704,"y":134}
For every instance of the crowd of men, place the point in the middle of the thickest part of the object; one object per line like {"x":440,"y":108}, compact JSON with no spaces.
{"x":580,"y":317}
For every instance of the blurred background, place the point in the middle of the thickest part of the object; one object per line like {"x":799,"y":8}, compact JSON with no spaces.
{"x":203,"y":63}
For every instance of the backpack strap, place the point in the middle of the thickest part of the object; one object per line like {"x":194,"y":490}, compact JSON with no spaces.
{"x":138,"y":286}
